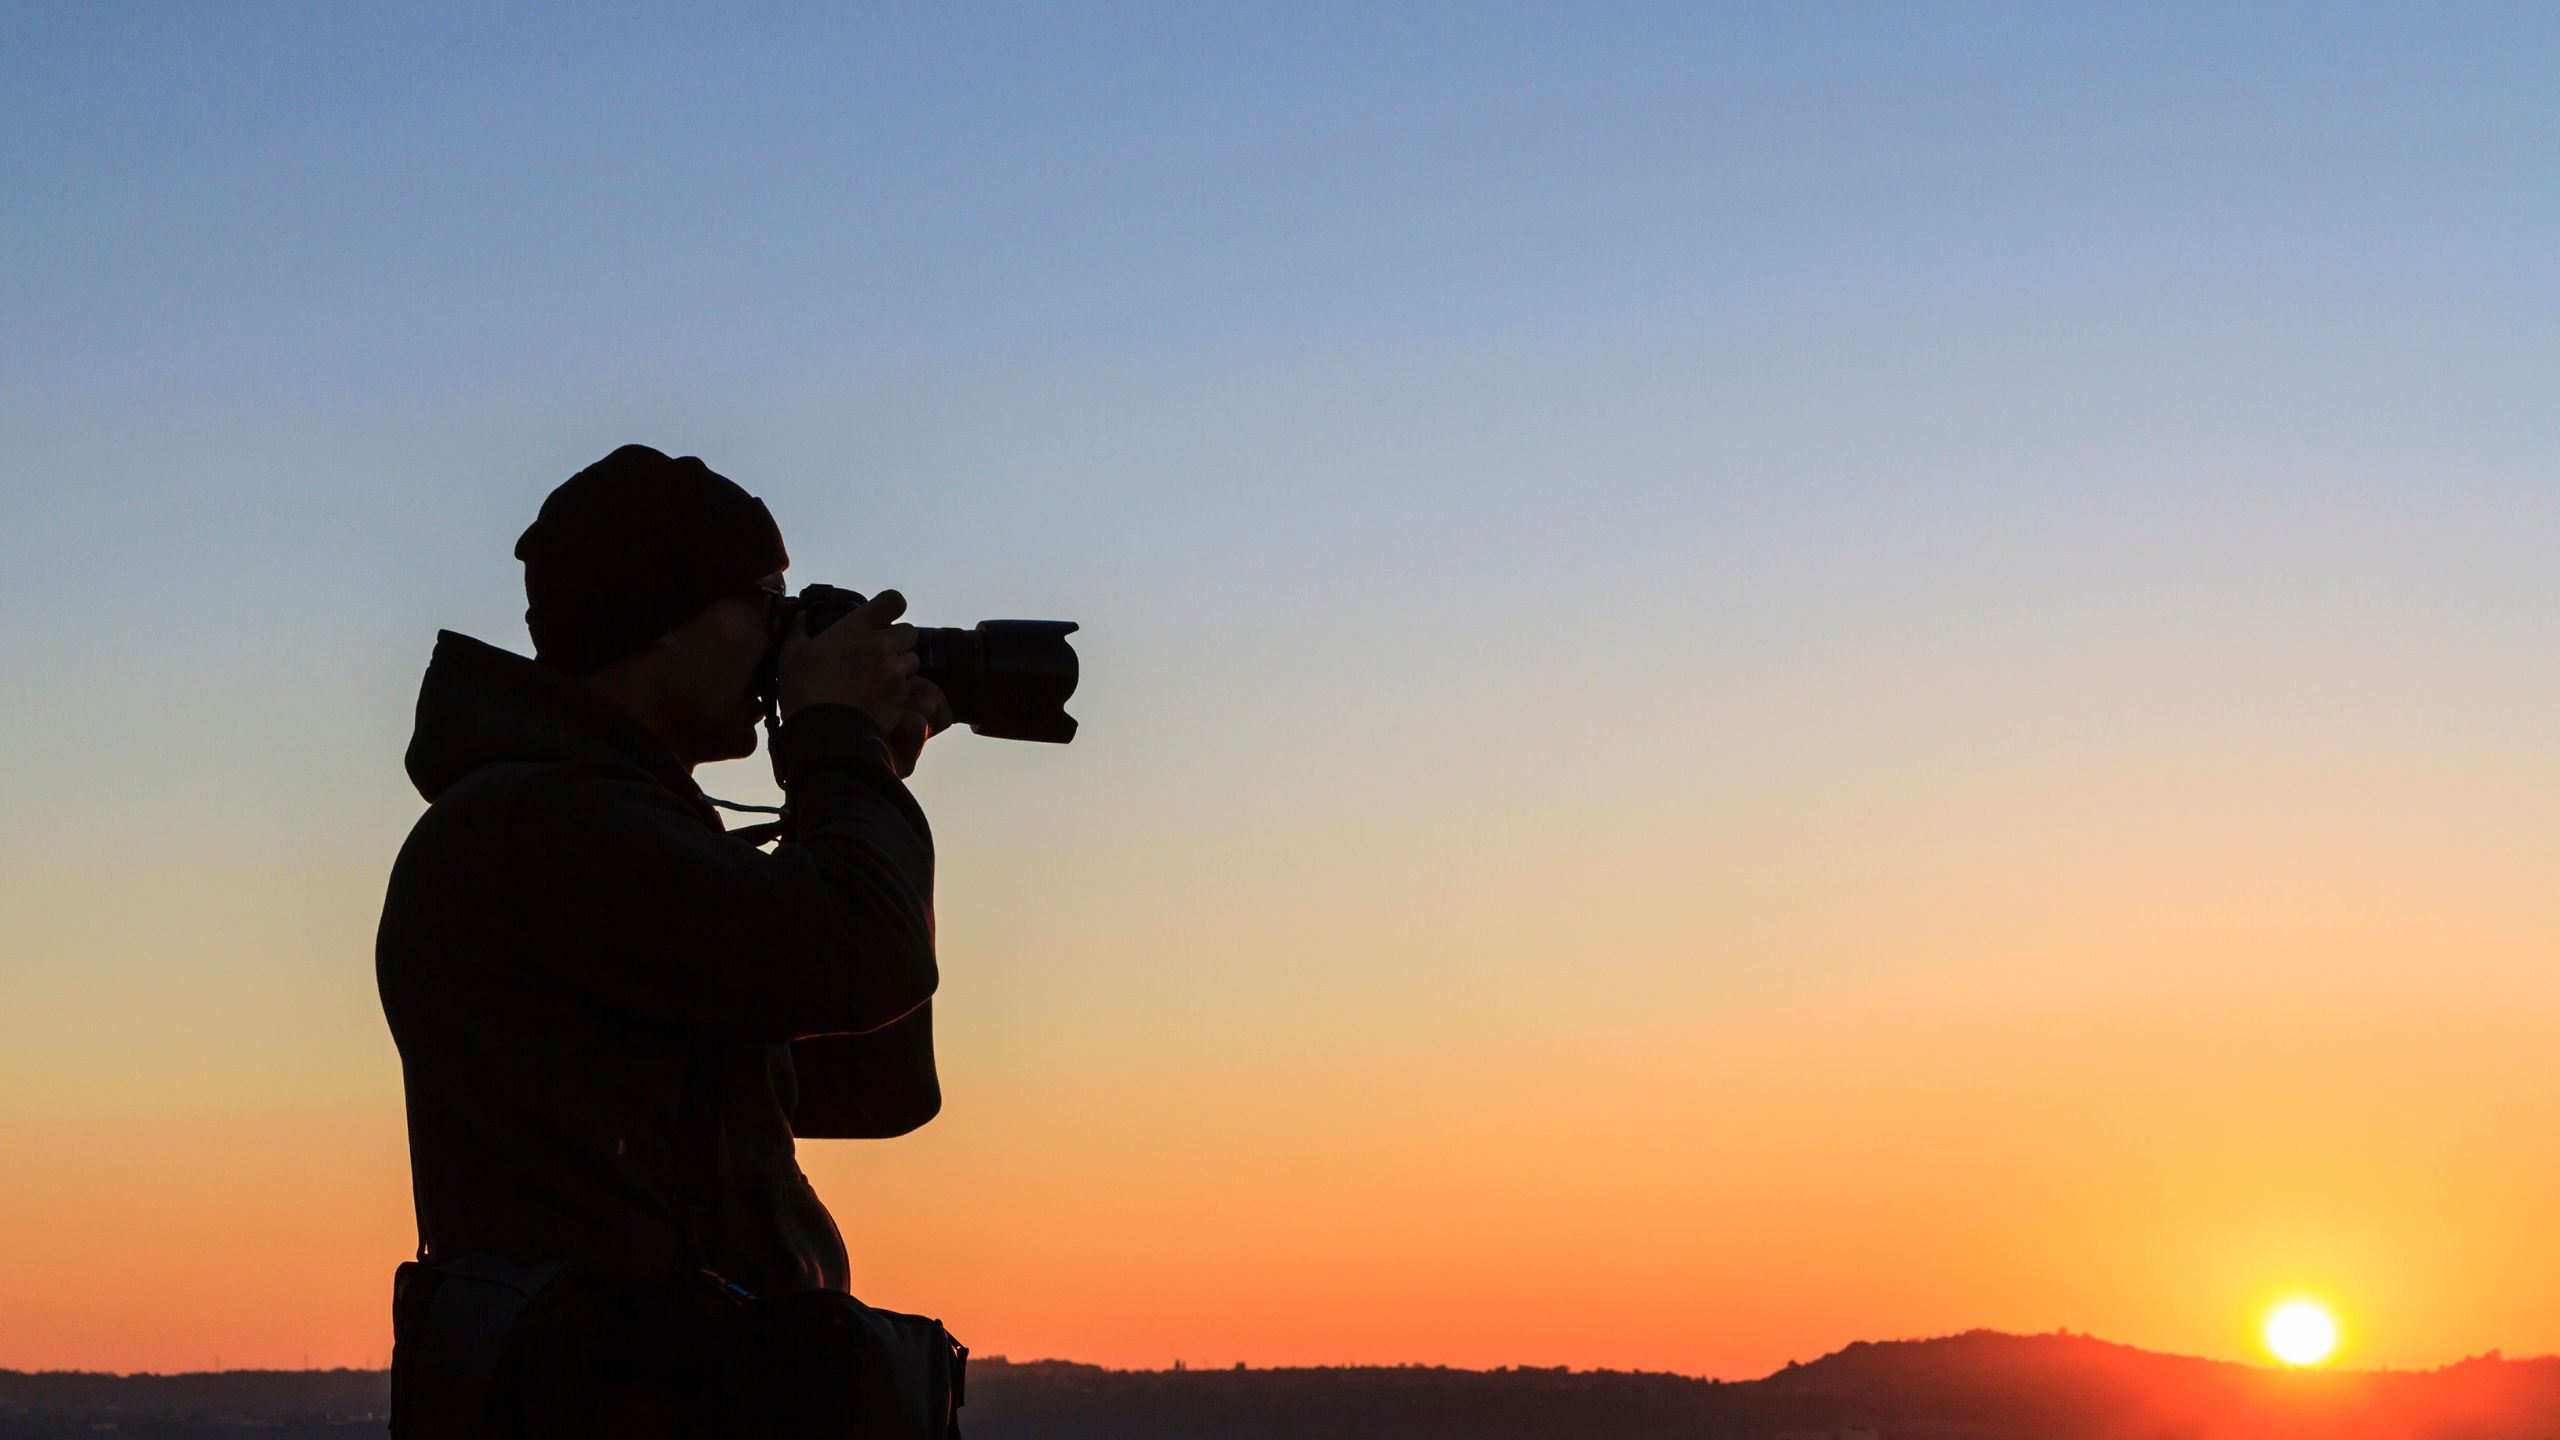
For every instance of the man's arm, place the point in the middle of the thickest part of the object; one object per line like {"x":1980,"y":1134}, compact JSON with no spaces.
{"x":612,"y":886}
{"x":867,"y":1087}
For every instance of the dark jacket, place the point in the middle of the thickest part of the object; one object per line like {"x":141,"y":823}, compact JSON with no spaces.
{"x":569,"y":927}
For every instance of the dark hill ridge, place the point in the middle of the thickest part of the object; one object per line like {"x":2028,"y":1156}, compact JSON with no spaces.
{"x":1982,"y":1385}
{"x":2074,"y":1385}
{"x":286,"y":1402}
{"x":1978,"y":1386}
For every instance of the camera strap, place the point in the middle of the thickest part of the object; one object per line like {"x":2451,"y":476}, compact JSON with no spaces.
{"x":697,"y":1157}
{"x":758,"y":835}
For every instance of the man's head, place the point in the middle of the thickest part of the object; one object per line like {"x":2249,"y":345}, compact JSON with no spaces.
{"x":647,"y":578}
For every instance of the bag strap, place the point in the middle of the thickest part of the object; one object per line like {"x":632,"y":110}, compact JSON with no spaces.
{"x":418,"y":1203}
{"x":697,"y":1157}
{"x":422,"y":1159}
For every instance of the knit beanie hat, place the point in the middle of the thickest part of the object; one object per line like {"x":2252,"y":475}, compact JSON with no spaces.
{"x":633,"y":546}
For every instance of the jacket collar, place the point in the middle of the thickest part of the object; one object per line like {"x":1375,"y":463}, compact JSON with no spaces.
{"x":480,"y":705}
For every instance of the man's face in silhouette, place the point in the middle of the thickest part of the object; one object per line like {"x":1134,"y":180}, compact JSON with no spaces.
{"x":695,"y":686}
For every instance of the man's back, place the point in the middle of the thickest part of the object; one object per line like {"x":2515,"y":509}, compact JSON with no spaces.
{"x":568,"y":931}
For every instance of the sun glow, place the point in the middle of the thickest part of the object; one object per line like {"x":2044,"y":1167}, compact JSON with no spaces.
{"x":2301,"y":1333}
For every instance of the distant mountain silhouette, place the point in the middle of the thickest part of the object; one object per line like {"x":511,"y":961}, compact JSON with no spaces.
{"x":1977,"y":1386}
{"x":1982,"y":1385}
{"x":288,"y":1404}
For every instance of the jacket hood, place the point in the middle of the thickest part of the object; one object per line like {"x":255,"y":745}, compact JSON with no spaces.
{"x":481,"y":705}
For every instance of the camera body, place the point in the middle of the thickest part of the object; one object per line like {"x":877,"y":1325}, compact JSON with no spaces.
{"x":1006,"y":679}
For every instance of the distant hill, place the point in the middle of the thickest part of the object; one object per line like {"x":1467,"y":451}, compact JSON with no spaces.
{"x":288,"y":1404}
{"x":1978,"y":1386}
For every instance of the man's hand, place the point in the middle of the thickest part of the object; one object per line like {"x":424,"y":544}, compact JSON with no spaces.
{"x":865,"y":660}
{"x":927,"y":713}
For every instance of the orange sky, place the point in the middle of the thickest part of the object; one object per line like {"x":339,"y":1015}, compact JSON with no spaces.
{"x":2139,"y":1075}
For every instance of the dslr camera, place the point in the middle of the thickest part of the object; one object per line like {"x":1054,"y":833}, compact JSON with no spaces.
{"x":1006,"y":679}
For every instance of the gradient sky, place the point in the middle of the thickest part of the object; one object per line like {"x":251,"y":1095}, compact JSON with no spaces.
{"x":1754,"y":676}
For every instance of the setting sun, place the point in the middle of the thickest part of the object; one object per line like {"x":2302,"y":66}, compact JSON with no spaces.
{"x":2301,"y":1333}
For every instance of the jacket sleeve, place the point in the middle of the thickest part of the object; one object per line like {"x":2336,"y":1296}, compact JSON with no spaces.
{"x":614,"y":888}
{"x":867,"y":1087}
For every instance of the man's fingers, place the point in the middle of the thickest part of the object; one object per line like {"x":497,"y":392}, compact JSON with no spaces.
{"x":867,"y":660}
{"x":906,"y":742}
{"x":926,"y":699}
{"x":880,"y":611}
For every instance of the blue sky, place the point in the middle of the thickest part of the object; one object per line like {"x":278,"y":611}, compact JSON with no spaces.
{"x":1341,"y":294}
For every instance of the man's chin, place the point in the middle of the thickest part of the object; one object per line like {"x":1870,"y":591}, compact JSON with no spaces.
{"x":727,"y":744}
{"x":741,"y":745}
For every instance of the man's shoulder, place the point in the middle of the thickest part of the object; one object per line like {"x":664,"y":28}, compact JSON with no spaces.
{"x":497,"y":785}
{"x":532,"y":799}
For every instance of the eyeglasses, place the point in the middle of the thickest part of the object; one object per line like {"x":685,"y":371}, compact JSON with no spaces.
{"x":773,"y":597}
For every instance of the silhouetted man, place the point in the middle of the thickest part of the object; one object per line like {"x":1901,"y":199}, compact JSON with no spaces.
{"x":573,"y":951}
